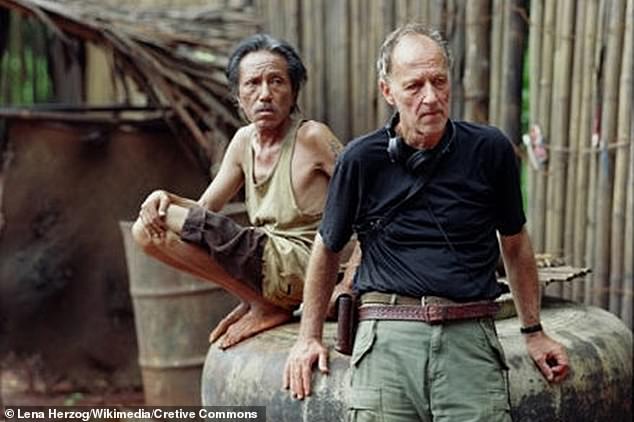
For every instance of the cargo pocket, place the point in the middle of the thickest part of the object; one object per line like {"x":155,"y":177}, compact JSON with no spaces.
{"x":365,"y":405}
{"x":363,"y":341}
{"x":500,"y":397}
{"x":488,"y":326}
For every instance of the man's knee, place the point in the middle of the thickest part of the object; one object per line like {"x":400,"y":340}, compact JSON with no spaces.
{"x":140,"y":236}
{"x":149,"y":243}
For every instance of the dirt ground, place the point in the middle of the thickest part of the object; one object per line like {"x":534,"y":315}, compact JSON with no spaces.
{"x":22,"y":383}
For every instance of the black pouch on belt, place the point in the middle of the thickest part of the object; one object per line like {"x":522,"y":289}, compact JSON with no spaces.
{"x":346,"y":323}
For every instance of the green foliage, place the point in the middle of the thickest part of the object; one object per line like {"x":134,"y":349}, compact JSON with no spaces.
{"x":24,"y":75}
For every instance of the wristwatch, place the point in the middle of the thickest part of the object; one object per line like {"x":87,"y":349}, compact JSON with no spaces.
{"x":532,"y":328}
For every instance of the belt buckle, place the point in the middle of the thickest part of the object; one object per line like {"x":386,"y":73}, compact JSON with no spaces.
{"x":434,"y":313}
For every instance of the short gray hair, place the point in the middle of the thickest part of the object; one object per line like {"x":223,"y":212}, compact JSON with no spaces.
{"x":384,"y":62}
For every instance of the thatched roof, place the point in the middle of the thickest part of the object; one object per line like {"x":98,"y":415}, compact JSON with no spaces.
{"x":176,"y":57}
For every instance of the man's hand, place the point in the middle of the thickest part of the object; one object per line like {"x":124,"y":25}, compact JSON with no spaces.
{"x":549,"y":355}
{"x":298,"y":369}
{"x":152,"y":213}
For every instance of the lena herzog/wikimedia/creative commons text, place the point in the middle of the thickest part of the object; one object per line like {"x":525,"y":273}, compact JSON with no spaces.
{"x":165,"y":413}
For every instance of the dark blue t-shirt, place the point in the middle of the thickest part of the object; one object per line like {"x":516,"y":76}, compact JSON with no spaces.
{"x":441,"y":242}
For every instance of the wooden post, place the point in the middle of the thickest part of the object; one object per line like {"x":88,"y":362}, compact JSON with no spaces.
{"x":609,"y":112}
{"x":476,"y":73}
{"x":623,"y":142}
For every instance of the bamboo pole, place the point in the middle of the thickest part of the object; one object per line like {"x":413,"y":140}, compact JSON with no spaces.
{"x":384,"y":25}
{"x":357,"y":85}
{"x":455,"y":31}
{"x":609,"y":112}
{"x":419,"y":10}
{"x":513,"y":44}
{"x":576,"y":88}
{"x":574,"y":144}
{"x":5,"y":89}
{"x":15,"y":50}
{"x":436,"y":15}
{"x":591,"y":219}
{"x":495,"y":78}
{"x":584,"y":142}
{"x":293,"y":16}
{"x":337,"y":67}
{"x":476,"y":73}
{"x":534,"y":50}
{"x":624,"y":121}
{"x":545,"y":96}
{"x":373,"y":47}
{"x":401,"y":13}
{"x":628,"y":271}
{"x":559,"y":134}
{"x":307,"y":51}
{"x":319,"y":72}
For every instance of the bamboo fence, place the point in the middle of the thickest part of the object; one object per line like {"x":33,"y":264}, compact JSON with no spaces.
{"x":579,"y":203}
{"x":584,"y":109}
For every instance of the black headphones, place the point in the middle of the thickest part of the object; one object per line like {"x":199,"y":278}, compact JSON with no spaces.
{"x":415,"y":160}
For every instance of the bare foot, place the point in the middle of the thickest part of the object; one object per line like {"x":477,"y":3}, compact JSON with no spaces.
{"x":237,"y":313}
{"x":257,"y":319}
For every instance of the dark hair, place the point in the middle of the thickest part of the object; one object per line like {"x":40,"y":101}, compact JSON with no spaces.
{"x":384,"y":63}
{"x":257,"y":42}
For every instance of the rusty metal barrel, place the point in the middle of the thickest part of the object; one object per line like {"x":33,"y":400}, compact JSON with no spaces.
{"x":599,"y":387}
{"x":173,"y":314}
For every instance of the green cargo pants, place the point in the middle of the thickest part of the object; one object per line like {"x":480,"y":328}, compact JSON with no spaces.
{"x":411,"y":371}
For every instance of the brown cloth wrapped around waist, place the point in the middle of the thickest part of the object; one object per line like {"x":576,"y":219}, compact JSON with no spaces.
{"x":429,"y":309}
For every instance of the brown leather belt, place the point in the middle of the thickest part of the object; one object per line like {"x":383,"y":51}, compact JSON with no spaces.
{"x":429,"y":309}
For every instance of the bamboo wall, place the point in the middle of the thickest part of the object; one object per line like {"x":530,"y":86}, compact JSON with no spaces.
{"x":580,"y":203}
{"x":579,"y":66}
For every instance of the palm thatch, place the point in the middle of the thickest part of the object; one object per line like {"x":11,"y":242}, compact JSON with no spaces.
{"x":175,"y":56}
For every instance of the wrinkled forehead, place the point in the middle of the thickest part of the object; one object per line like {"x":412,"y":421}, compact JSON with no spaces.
{"x":417,"y":50}
{"x":263,"y":62}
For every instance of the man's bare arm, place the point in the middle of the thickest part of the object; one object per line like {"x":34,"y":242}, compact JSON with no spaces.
{"x":230,"y":177}
{"x":154,"y":210}
{"x":549,"y":356}
{"x":308,"y":349}
{"x":345,"y":285}
{"x":323,"y":145}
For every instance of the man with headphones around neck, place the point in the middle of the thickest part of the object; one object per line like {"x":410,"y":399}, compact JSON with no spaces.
{"x":427,"y":198}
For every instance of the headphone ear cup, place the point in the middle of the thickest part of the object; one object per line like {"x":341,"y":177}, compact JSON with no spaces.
{"x":417,"y":161}
{"x":393,"y":149}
